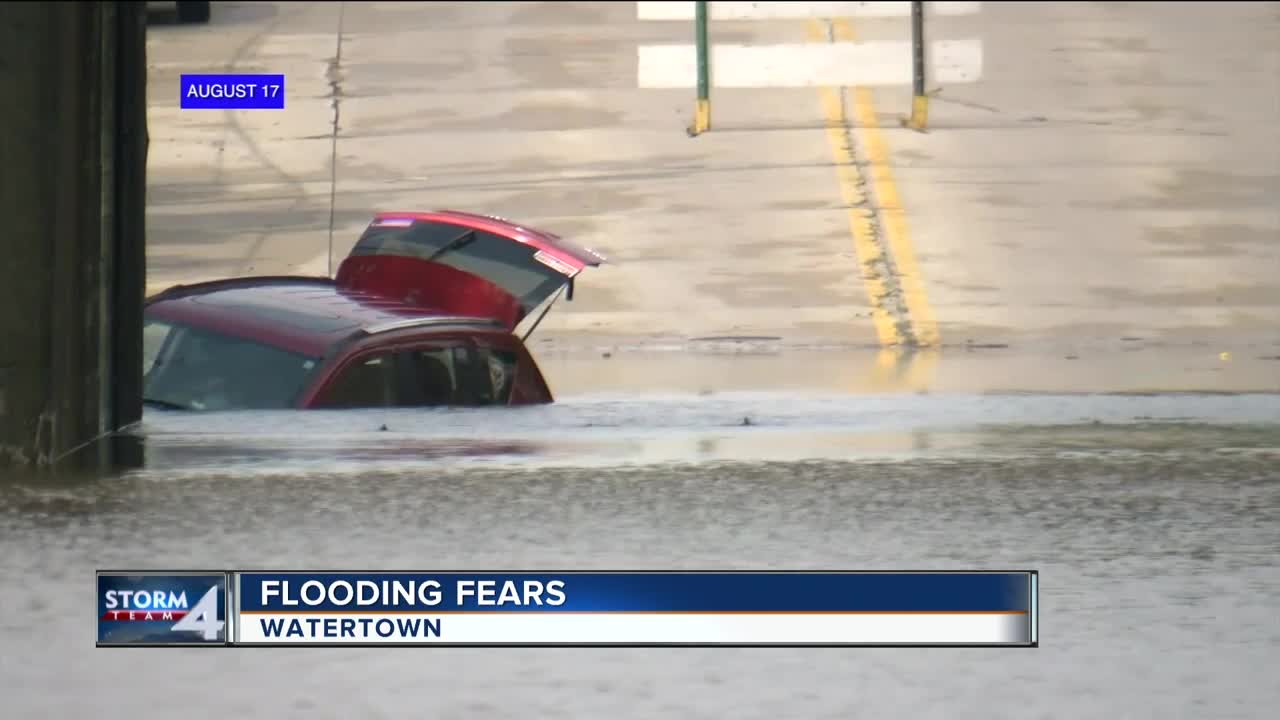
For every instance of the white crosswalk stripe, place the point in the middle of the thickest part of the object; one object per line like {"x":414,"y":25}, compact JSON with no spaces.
{"x":796,"y":10}
{"x":950,"y":61}
{"x":808,"y":65}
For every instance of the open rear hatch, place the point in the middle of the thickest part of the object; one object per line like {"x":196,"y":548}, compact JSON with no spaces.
{"x":464,"y":264}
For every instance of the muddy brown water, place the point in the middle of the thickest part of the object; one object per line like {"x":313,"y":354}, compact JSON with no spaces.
{"x":1154,"y":520}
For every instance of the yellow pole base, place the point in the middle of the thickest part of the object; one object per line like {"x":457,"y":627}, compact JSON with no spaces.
{"x":701,"y":117}
{"x":919,"y":112}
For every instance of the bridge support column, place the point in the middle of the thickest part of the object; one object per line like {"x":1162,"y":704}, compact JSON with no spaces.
{"x":73,"y":144}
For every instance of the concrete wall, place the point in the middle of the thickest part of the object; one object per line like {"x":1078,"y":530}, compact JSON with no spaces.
{"x":72,"y":198}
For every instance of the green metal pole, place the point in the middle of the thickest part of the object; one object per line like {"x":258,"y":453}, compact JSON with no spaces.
{"x":919,"y":100}
{"x":702,"y":112}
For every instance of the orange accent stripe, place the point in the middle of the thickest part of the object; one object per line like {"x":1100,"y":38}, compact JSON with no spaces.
{"x":633,"y":612}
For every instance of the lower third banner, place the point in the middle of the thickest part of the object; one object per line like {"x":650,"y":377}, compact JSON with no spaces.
{"x":635,"y":608}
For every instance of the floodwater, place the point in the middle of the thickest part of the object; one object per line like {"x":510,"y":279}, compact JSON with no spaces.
{"x":1154,"y":520}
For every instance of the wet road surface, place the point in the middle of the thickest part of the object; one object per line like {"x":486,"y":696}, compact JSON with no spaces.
{"x":1155,"y":521}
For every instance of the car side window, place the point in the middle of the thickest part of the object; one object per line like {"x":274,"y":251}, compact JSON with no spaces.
{"x":364,"y":383}
{"x":424,"y":377}
{"x":483,"y":375}
{"x":461,"y":375}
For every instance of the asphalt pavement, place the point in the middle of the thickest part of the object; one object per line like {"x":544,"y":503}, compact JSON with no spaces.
{"x":1091,"y":208}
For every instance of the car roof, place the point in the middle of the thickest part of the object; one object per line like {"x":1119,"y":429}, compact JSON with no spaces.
{"x":303,"y":315}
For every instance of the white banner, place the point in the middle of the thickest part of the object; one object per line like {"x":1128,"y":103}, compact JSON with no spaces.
{"x":622,"y":628}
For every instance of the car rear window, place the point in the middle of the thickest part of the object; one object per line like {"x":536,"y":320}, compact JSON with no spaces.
{"x":504,"y":262}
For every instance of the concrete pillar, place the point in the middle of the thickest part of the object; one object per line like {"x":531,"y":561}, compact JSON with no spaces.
{"x":72,"y":247}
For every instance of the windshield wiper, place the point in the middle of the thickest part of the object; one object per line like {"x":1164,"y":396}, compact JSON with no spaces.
{"x":164,"y":404}
{"x":462,"y":240}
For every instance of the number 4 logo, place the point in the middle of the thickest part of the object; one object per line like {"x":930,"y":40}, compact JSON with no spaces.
{"x":203,"y":618}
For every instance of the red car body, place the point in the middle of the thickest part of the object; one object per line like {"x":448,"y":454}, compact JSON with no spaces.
{"x":428,"y":309}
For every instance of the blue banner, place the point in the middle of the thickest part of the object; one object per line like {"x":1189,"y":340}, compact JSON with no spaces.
{"x":577,"y":592}
{"x":162,"y":608}
{"x":232,"y":92}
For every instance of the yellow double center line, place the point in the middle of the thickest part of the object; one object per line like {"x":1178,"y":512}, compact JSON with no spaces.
{"x":899,"y":304}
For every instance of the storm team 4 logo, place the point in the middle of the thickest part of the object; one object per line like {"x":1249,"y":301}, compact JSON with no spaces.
{"x":157,"y":609}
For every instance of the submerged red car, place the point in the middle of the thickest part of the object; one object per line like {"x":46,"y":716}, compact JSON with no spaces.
{"x":429,"y":309}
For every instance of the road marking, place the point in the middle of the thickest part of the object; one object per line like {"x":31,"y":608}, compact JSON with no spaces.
{"x":844,"y":71}
{"x":900,"y":308}
{"x":865,"y":246}
{"x":892,"y":213}
{"x":807,"y":64}
{"x":796,"y":10}
{"x":897,"y":368}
